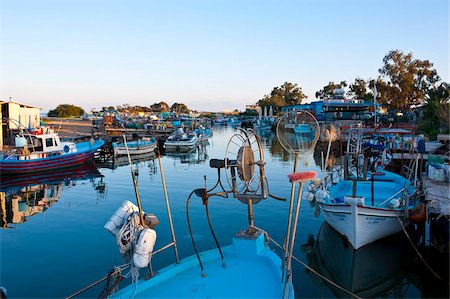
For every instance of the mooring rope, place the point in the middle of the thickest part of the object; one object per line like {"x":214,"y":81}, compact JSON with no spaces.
{"x":306,"y":266}
{"x":417,"y":250}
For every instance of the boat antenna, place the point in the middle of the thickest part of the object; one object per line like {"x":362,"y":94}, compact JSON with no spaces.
{"x":136,"y":191}
{"x":169,"y":212}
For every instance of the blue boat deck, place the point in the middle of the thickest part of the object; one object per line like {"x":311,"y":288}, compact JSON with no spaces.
{"x":252,"y":271}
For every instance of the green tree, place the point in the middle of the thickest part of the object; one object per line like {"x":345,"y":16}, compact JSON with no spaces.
{"x":406,"y":80}
{"x":66,"y":110}
{"x":437,"y":110}
{"x":327,"y":91}
{"x":360,"y":90}
{"x":286,"y":94}
{"x":160,"y":107}
{"x":179,"y":108}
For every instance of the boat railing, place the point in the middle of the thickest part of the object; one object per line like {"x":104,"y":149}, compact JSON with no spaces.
{"x":401,"y":191}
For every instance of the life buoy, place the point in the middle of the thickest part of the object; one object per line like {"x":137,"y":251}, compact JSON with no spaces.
{"x":66,"y":148}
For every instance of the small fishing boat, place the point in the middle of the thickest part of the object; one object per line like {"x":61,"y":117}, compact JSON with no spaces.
{"x":137,"y":147}
{"x":369,"y":215}
{"x":42,"y":150}
{"x":366,"y":206}
{"x":233,"y":121}
{"x":180,"y":141}
{"x":203,"y":134}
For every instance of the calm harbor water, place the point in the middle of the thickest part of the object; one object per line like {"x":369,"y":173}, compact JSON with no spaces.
{"x":56,"y":243}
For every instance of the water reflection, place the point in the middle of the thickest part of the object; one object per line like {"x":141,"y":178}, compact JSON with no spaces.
{"x":22,"y":196}
{"x":198,"y":155}
{"x":372,"y":271}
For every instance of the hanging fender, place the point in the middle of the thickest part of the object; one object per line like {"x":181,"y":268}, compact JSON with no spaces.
{"x":144,"y":248}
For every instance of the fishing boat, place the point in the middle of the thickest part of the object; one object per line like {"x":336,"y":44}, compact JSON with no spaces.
{"x":42,"y":150}
{"x":367,"y":206}
{"x":137,"y":147}
{"x":233,"y":121}
{"x":203,"y":134}
{"x":181,"y":141}
{"x":248,"y":268}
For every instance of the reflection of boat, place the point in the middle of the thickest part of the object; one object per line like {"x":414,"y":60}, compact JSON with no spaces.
{"x":83,"y":172}
{"x":180,"y":141}
{"x":195,"y":156}
{"x":23,"y":196}
{"x":137,"y":147}
{"x":370,"y":272}
{"x":43,"y":150}
{"x":123,"y":160}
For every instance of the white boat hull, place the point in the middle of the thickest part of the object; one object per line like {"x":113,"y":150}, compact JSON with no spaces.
{"x":139,"y":150}
{"x":180,"y":146}
{"x":362,"y":225}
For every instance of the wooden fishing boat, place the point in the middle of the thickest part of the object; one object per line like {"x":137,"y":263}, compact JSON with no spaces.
{"x":138,"y":147}
{"x":366,"y":206}
{"x":371,"y":215}
{"x":42,"y":150}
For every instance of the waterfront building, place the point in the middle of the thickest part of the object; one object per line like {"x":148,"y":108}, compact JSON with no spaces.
{"x":16,"y":117}
{"x":336,"y":108}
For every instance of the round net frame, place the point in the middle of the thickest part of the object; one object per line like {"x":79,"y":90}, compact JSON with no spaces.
{"x":298,"y":132}
{"x":244,"y":153}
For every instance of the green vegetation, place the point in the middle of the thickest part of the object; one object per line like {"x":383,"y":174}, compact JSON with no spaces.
{"x":326,"y":92}
{"x":405,"y":81}
{"x":286,"y":94}
{"x":179,"y":108}
{"x":66,"y":110}
{"x":437,"y":111}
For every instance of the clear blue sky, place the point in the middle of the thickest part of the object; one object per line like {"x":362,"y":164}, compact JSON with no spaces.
{"x":211,"y":55}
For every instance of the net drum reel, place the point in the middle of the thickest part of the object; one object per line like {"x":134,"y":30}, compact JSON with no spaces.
{"x":244,"y":167}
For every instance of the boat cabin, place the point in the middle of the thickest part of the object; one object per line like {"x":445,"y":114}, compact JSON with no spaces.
{"x":42,"y":143}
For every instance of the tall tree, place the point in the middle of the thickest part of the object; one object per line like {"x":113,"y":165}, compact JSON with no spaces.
{"x":286,"y":94}
{"x":359,"y":90}
{"x":328,"y":90}
{"x":407,"y":80}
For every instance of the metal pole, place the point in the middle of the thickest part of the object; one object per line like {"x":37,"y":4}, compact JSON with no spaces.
{"x":169,"y":213}
{"x":250,"y":216}
{"x":294,"y":231}
{"x":288,"y":230}
{"x":136,"y":191}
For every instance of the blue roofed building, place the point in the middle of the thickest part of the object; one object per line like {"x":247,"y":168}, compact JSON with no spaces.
{"x":336,"y":108}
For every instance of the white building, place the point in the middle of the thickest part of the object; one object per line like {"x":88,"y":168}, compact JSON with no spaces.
{"x":16,"y":117}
